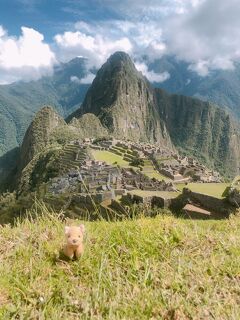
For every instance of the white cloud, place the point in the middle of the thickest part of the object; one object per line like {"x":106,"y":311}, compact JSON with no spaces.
{"x":96,"y":48}
{"x":137,"y":39}
{"x":206,"y":36}
{"x":151,"y":75}
{"x":86,"y":80}
{"x":75,"y":79}
{"x":204,"y":33}
{"x":201,"y":67}
{"x":2,"y":31}
{"x":24,"y":58}
{"x":152,"y":9}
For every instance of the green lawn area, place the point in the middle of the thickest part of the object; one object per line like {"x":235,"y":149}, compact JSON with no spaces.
{"x":153,"y":174}
{"x":140,"y":269}
{"x":212,"y":189}
{"x":164,"y":194}
{"x":109,"y":157}
{"x":156,"y":175}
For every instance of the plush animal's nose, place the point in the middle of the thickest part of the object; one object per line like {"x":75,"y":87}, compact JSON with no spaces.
{"x":74,"y":240}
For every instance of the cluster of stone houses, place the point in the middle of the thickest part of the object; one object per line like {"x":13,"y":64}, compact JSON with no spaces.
{"x":166,"y":161}
{"x":185,"y":169}
{"x":97,"y":176}
{"x":132,"y":179}
{"x":91,"y":177}
{"x":96,"y":182}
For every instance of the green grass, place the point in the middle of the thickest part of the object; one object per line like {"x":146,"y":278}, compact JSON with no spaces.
{"x":147,"y":268}
{"x":212,"y":189}
{"x":153,"y":174}
{"x":112,"y":158}
{"x":164,"y":194}
{"x":109,"y":158}
{"x":156,"y":175}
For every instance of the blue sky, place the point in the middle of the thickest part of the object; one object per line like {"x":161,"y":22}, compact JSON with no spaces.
{"x":52,"y":16}
{"x":35,"y":35}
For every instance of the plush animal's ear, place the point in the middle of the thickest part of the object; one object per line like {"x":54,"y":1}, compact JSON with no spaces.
{"x":82,"y":227}
{"x":66,"y":229}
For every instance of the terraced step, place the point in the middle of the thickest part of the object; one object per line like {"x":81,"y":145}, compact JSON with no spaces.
{"x":77,"y":163}
{"x":128,"y":159}
{"x":69,"y":167}
{"x":116,"y":152}
{"x":72,"y":147}
{"x":67,"y":156}
{"x":119,"y":149}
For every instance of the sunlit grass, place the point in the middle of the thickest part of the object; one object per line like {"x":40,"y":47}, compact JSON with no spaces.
{"x":109,"y":158}
{"x":156,"y":175}
{"x":163,"y":194}
{"x":212,"y":189}
{"x":112,"y":158}
{"x":146,"y":268}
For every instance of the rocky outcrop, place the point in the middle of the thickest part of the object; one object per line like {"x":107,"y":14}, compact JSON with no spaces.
{"x":88,"y":126}
{"x":38,"y":134}
{"x":123,"y":100}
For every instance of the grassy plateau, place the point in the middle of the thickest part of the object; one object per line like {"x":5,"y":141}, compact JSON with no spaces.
{"x":211,"y":189}
{"x":109,"y":158}
{"x":143,"y":268}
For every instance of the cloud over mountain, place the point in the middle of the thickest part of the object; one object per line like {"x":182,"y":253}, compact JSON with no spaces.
{"x":25,"y":57}
{"x":203,"y":33}
{"x":206,"y":36}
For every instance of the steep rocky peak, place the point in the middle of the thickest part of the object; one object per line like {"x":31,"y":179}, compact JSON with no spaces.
{"x":117,"y":82}
{"x":120,"y":61}
{"x":123,"y":100}
{"x":38,"y":133}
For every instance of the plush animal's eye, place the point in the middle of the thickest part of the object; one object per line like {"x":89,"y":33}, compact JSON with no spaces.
{"x":69,"y":236}
{"x":79,"y":236}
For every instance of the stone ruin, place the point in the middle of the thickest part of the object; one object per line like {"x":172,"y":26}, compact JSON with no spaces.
{"x":93,"y":176}
{"x":132,"y":179}
{"x":103,"y":182}
{"x":184,"y":169}
{"x":167,"y":162}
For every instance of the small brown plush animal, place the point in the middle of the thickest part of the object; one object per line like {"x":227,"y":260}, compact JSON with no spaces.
{"x":74,"y":246}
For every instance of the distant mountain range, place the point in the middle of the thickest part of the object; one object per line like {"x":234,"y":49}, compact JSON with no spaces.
{"x":121,"y":102}
{"x":64,"y":91}
{"x":221,"y":87}
{"x":20,"y":101}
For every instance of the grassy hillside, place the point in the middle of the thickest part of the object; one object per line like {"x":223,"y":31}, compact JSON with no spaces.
{"x":145,"y":268}
{"x":21,"y":100}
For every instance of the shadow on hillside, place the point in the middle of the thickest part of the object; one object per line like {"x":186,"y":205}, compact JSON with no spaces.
{"x":8,"y":168}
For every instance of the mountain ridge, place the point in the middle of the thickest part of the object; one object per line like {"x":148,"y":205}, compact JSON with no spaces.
{"x":205,"y":129}
{"x":123,"y":104}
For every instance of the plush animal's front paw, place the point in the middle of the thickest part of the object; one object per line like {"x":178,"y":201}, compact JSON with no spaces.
{"x":79,"y":252}
{"x":68,"y":252}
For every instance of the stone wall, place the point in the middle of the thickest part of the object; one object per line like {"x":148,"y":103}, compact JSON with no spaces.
{"x":220,"y":207}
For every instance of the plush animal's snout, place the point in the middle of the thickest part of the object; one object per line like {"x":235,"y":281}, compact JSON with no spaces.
{"x":74,"y":241}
